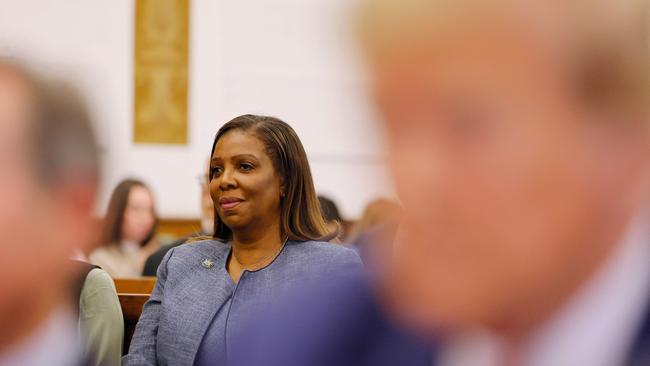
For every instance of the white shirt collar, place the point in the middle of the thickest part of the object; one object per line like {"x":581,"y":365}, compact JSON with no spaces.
{"x":595,"y":328}
{"x":56,"y":343}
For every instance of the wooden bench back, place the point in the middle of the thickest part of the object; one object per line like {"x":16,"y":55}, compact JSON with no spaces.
{"x":139,"y":285}
{"x":131,"y":309}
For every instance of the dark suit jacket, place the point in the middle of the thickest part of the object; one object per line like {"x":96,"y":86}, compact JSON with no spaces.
{"x":152,"y":263}
{"x":346,"y":327}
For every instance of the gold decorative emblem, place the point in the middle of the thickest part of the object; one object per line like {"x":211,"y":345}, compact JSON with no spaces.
{"x":161,"y":69}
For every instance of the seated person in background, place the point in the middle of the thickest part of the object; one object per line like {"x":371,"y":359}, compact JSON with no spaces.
{"x":332,"y":216}
{"x":129,"y":231}
{"x":101,"y":322}
{"x":48,"y":182}
{"x":269,"y":237}
{"x":207,"y":225}
{"x":380,"y":215}
{"x":519,"y":139}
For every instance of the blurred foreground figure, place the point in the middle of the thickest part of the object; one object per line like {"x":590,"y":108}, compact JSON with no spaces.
{"x":47,"y":188}
{"x":520,"y":146}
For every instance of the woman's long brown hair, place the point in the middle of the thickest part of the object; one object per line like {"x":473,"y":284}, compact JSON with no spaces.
{"x":300,"y":214}
{"x":114,"y":220}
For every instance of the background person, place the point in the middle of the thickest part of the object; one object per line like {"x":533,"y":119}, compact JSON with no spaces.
{"x":129,"y":230}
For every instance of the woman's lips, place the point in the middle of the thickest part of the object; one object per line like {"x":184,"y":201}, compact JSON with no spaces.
{"x":227,"y":204}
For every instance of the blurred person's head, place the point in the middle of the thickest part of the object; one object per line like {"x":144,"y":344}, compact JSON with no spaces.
{"x":379,"y":213}
{"x":48,"y":183}
{"x":331,"y":214}
{"x":260,"y":180}
{"x":519,"y":143}
{"x":131,"y":214}
{"x":207,"y":206}
{"x":329,"y":209}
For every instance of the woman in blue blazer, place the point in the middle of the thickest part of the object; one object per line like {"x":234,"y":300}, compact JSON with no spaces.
{"x":269,"y":238}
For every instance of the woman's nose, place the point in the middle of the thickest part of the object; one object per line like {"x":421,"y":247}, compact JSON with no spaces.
{"x":227,"y":180}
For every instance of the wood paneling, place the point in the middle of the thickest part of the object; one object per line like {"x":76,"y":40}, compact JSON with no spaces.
{"x":140,"y":285}
{"x":131,"y":309}
{"x":176,"y":228}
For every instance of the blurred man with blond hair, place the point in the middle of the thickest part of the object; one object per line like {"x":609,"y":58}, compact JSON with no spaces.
{"x":48,"y":181}
{"x":519,"y":141}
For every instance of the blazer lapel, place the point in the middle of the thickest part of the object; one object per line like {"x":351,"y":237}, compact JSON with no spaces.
{"x":207,"y":288}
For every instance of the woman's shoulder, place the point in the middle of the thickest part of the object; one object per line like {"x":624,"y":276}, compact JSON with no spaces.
{"x":321,"y":250}
{"x":205,"y":247}
{"x":186,"y":257}
{"x":316,"y":259}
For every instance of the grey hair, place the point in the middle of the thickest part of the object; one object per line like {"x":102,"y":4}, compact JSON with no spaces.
{"x":606,"y":42}
{"x":60,"y":133}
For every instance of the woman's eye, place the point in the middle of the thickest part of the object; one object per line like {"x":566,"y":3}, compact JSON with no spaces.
{"x":215,"y":171}
{"x":245,"y":167}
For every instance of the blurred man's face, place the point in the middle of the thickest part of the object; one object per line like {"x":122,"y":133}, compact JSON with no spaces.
{"x":39,"y":227}
{"x":513,"y":192}
{"x":19,"y":208}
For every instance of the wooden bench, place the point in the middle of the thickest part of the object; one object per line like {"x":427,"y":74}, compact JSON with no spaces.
{"x":131,"y":309}
{"x":133,"y":293}
{"x":139,"y":285}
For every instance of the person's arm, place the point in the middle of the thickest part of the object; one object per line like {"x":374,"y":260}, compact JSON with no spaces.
{"x":142,"y":351}
{"x":101,"y":319}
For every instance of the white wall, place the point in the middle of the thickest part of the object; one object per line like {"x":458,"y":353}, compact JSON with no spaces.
{"x":290,"y":58}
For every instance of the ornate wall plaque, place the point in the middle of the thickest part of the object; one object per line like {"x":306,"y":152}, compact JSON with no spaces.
{"x":161,"y":71}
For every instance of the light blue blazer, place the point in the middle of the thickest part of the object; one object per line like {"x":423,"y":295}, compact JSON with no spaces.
{"x":193,"y":284}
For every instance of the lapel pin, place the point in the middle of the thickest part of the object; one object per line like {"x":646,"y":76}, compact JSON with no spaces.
{"x":206,"y":263}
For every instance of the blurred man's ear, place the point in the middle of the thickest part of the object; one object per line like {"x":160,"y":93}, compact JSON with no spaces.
{"x":619,"y":149}
{"x":621,"y":134}
{"x":76,"y":202}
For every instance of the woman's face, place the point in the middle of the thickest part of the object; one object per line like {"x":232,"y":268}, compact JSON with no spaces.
{"x":244,"y":185}
{"x":139,"y":215}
